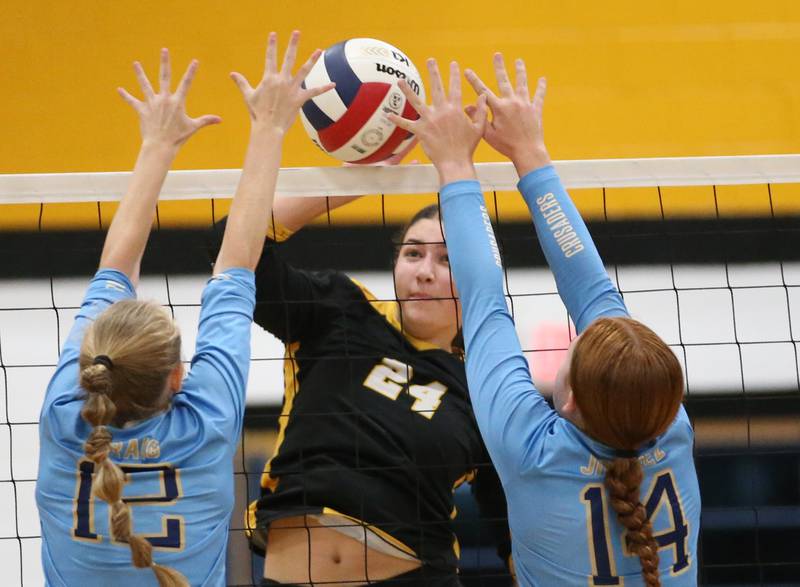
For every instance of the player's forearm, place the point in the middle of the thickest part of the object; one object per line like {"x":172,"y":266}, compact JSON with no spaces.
{"x":251,"y":209}
{"x":497,"y":372}
{"x":471,"y":244}
{"x":582,"y":281}
{"x":476,"y":268}
{"x":130,"y":229}
{"x":293,"y":213}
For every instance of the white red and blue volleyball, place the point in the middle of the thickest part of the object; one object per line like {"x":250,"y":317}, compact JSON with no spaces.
{"x":350,"y":122}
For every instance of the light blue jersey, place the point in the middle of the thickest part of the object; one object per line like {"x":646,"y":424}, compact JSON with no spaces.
{"x":180,"y":463}
{"x":564,"y":531}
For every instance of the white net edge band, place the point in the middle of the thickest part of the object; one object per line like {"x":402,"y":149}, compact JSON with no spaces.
{"x":408,"y":179}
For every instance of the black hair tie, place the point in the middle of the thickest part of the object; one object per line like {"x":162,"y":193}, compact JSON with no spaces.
{"x":105,"y":361}
{"x":625,"y":454}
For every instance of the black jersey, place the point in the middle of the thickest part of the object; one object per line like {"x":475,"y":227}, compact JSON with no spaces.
{"x":375,"y":426}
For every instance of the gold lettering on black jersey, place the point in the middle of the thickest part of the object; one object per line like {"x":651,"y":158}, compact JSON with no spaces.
{"x":429,"y":397}
{"x":390,"y":377}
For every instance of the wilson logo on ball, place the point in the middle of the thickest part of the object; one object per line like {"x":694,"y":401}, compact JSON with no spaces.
{"x":350,"y":122}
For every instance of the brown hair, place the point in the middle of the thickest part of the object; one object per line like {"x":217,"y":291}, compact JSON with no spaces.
{"x":429,"y":212}
{"x":126,"y":358}
{"x":628,"y":386}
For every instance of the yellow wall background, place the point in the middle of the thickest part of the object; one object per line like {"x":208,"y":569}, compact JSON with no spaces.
{"x":626,"y":79}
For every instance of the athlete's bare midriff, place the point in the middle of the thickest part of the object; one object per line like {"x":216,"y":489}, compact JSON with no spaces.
{"x":299,"y":550}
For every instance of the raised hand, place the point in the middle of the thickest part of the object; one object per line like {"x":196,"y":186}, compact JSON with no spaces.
{"x":277,"y":98}
{"x":162,"y":115}
{"x":165,"y":126}
{"x":273,"y":106}
{"x":516,"y":127}
{"x":447,"y":136}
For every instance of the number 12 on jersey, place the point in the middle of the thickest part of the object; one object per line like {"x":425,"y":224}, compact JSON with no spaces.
{"x":168,"y":477}
{"x":601,"y":553}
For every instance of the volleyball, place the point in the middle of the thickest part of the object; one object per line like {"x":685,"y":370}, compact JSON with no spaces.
{"x":350,"y":122}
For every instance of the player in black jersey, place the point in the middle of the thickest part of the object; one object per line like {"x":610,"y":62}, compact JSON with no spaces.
{"x":377,"y":428}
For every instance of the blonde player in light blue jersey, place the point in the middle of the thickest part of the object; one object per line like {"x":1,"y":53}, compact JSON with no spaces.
{"x":602,"y":490}
{"x":136,"y":461}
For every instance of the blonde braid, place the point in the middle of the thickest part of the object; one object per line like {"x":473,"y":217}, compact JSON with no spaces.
{"x":623,"y":480}
{"x":99,"y":410}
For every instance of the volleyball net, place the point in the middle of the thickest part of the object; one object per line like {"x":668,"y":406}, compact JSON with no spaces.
{"x":706,"y":251}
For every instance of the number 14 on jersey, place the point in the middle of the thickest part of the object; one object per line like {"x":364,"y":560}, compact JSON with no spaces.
{"x":662,"y":493}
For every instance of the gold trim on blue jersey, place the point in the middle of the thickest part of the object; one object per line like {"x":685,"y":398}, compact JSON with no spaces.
{"x":166,"y":533}
{"x":162,"y":498}
{"x":612,"y":563}
{"x":90,"y":504}
{"x":671,"y":516}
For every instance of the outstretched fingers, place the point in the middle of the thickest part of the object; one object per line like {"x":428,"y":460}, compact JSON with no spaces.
{"x":503,"y":83}
{"x":480,"y":114}
{"x":480,"y":87}
{"x":205,"y":120}
{"x":404,"y":123}
{"x":271,"y":61}
{"x":305,"y":69}
{"x":437,"y":89}
{"x":186,"y":81}
{"x":522,"y":79}
{"x":291,"y":53}
{"x":162,"y":116}
{"x":455,"y":83}
{"x":314,"y":92}
{"x":144,"y":83}
{"x":165,"y":72}
{"x":134,"y":103}
{"x":415,"y":101}
{"x":538,"y":97}
{"x":241,"y":83}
